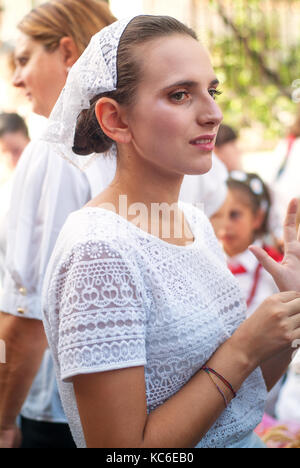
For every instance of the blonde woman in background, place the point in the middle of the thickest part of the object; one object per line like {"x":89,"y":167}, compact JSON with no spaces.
{"x":45,"y":191}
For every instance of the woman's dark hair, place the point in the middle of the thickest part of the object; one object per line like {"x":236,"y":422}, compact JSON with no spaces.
{"x":253,"y":192}
{"x":89,"y":137}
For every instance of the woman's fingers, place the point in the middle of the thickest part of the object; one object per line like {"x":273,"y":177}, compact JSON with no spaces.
{"x":269,"y":264}
{"x":293,"y":307}
{"x":288,"y":296}
{"x":295,"y":322}
{"x":298,"y":237}
{"x":290,"y":224}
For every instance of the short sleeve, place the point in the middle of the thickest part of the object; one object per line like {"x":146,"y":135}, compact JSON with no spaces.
{"x":101,"y":311}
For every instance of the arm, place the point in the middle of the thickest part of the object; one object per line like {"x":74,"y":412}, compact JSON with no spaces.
{"x":25,"y":345}
{"x":274,"y":368}
{"x":114,"y":418}
{"x":107,"y":413}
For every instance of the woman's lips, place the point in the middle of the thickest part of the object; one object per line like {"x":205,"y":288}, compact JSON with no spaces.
{"x":204,"y":142}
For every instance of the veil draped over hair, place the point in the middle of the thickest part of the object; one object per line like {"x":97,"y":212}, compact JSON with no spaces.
{"x":95,"y":72}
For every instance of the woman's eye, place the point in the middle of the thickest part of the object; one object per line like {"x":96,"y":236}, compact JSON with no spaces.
{"x":179,"y":96}
{"x":22,"y":61}
{"x":214,"y":93}
{"x":235,"y":215}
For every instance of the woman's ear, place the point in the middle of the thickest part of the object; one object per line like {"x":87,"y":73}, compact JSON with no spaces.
{"x":111,"y":119}
{"x":69,"y":51}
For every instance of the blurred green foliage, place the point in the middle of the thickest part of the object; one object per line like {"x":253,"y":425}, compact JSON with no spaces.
{"x":256,"y":62}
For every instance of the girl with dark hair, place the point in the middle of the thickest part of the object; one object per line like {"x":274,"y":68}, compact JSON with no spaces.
{"x":145,"y":322}
{"x":241,"y":222}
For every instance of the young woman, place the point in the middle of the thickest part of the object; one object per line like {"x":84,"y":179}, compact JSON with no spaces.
{"x":146,"y":324}
{"x":46,"y":190}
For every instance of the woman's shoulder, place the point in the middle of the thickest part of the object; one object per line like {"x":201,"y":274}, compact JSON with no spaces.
{"x":197,"y":218}
{"x":195,"y":210}
{"x":92,"y":243}
{"x":94,"y":231}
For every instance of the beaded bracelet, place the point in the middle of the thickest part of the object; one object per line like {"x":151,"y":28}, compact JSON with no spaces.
{"x":208,"y":370}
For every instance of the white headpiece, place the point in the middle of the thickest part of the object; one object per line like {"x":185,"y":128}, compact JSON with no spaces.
{"x":95,"y":72}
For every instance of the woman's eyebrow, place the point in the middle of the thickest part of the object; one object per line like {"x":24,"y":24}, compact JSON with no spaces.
{"x":191,"y":84}
{"x":20,"y":53}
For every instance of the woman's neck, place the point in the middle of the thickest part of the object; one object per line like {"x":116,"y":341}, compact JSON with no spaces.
{"x":143,"y":182}
{"x":147,"y":197}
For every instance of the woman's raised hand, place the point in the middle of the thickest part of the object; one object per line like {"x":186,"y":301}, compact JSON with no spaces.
{"x":285,"y":274}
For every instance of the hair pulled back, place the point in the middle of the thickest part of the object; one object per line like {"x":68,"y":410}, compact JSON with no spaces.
{"x":77,"y":19}
{"x":89,"y":137}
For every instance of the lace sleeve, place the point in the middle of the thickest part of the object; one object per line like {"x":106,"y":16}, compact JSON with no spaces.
{"x":100,"y":310}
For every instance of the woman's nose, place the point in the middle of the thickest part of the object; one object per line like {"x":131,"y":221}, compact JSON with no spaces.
{"x":17,"y":79}
{"x":210,"y":114}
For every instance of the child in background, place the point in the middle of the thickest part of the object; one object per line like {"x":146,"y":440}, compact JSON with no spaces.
{"x":241,"y":222}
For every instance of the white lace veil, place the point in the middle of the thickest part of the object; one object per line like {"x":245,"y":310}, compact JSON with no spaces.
{"x":95,"y":72}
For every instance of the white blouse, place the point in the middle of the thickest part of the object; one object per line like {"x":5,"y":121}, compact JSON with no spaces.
{"x":45,"y":191}
{"x":5,"y":195}
{"x":116,"y":297}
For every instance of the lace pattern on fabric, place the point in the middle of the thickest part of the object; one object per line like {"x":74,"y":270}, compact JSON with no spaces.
{"x":94,"y":72}
{"x":126,"y":299}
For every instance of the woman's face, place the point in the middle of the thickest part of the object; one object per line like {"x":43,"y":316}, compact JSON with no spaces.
{"x":39,"y":73}
{"x":235,"y":224}
{"x":175,"y":119}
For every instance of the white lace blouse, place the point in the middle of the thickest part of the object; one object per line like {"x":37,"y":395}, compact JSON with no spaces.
{"x":116,"y":297}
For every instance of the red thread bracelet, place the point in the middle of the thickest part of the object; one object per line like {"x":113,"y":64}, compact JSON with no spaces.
{"x":225,"y":382}
{"x":218,"y":388}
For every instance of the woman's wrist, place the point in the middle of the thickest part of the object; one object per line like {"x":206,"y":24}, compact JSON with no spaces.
{"x":245,"y":358}
{"x":233,"y":362}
